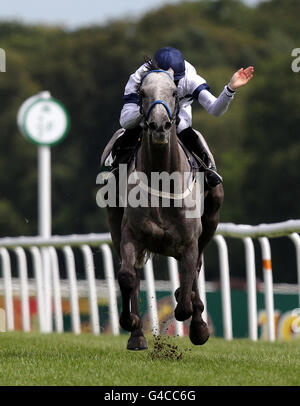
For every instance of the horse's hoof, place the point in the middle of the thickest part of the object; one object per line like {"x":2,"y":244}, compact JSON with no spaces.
{"x":133,"y":322}
{"x":183,"y":313}
{"x":199,"y":332}
{"x":137,"y":343}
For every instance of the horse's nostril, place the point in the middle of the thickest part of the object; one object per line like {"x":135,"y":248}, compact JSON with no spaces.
{"x":152,"y":126}
{"x":168,"y":125}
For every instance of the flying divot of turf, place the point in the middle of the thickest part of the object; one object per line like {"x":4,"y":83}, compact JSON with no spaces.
{"x":163,"y":348}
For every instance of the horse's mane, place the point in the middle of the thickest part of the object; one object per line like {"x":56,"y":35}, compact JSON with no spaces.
{"x":151,"y":64}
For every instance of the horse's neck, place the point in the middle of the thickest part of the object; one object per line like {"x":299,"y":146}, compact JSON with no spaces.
{"x":159,"y":158}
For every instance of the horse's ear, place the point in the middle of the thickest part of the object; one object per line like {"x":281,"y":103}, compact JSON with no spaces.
{"x":171,"y":72}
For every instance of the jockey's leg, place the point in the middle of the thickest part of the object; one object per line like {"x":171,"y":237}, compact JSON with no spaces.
{"x":192,"y":141}
{"x":124,"y":147}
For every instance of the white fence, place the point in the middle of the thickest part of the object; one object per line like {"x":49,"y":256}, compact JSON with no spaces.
{"x":48,"y":284}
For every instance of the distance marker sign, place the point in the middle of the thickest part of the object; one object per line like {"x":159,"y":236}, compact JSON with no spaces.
{"x":43,"y":120}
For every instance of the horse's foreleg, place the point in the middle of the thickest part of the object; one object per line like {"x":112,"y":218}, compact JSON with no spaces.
{"x":129,"y":321}
{"x":188,"y":266}
{"x":137,"y":339}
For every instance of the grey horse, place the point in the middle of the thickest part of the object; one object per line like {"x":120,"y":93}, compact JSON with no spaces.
{"x":165,"y":229}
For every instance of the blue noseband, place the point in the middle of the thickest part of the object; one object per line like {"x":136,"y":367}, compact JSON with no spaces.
{"x":154,"y":104}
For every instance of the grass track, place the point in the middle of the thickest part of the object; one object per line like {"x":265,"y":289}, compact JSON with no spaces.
{"x":87,"y":360}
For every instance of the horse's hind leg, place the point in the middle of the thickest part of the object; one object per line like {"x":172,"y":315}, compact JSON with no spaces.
{"x":115,"y":215}
{"x":199,"y":332}
{"x":210,"y":217}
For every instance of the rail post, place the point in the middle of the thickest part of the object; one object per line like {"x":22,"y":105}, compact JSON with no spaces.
{"x":70,"y":263}
{"x":251,"y":288}
{"x":268,"y":282}
{"x":151,"y":297}
{"x":9,"y":307}
{"x":174,"y":278}
{"x":110,"y":277}
{"x":225,"y":286}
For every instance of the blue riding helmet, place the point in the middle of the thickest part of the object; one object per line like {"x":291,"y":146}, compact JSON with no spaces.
{"x":169,"y":57}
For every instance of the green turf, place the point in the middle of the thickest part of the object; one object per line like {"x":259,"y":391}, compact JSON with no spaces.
{"x":66,"y":359}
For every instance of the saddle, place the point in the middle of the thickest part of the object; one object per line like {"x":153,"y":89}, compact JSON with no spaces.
{"x":117,"y":152}
{"x":108,"y":155}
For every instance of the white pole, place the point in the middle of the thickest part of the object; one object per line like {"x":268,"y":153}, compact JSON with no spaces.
{"x":58,"y":314}
{"x":112,"y":295}
{"x":44,"y":185}
{"x":174,"y":278}
{"x":151,"y":297}
{"x":251,"y":288}
{"x":268,"y":282}
{"x":8,"y":291}
{"x":296,"y":240}
{"x":44,"y":213}
{"x":202,"y":291}
{"x":225,"y":286}
{"x":37,"y":263}
{"x":75,"y":314}
{"x":22,"y":265}
{"x":90,"y":275}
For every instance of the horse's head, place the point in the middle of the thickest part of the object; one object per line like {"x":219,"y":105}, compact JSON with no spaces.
{"x":159,"y":104}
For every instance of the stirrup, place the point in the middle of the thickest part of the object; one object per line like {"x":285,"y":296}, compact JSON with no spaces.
{"x":215,"y":173}
{"x":211,"y":175}
{"x":212,"y":178}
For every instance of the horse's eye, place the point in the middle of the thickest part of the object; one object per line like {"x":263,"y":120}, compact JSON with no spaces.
{"x":174,"y":93}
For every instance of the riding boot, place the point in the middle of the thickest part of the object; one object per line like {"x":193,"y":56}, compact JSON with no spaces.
{"x":124,"y":147}
{"x":193,"y":142}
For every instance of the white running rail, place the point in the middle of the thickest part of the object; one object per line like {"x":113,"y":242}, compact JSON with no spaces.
{"x":36,"y":245}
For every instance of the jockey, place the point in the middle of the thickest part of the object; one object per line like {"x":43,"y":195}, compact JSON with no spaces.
{"x":190,"y":87}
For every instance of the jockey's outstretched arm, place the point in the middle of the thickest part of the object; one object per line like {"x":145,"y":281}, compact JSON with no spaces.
{"x":218,"y":106}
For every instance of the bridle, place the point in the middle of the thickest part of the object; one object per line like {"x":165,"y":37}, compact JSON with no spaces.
{"x":172,"y":116}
